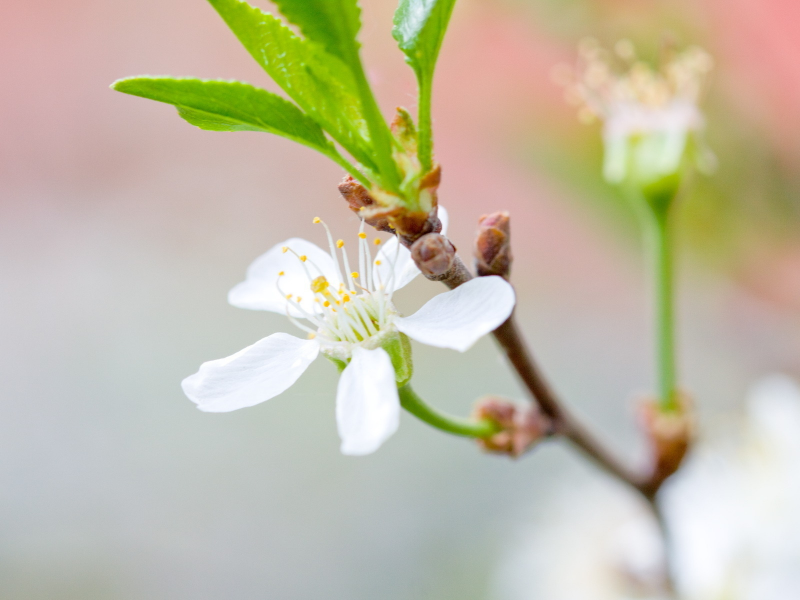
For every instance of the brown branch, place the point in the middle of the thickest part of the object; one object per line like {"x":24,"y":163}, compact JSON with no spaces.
{"x":509,"y":337}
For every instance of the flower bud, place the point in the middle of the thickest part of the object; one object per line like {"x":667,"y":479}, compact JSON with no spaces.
{"x":434,"y":254}
{"x":493,"y":245}
{"x":363,"y":204}
{"x":669,"y":435}
{"x":519,"y":428}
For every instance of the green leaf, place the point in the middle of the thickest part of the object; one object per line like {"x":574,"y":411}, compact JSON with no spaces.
{"x":321,"y":84}
{"x":333,"y":24}
{"x":419,"y":28}
{"x":229,"y":106}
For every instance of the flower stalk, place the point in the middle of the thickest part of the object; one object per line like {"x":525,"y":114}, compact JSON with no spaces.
{"x":475,"y":428}
{"x":660,"y":237}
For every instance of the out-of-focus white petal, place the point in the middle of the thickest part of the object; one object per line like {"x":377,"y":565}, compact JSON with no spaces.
{"x":252,"y":375}
{"x":367,"y":404}
{"x":396,"y":258}
{"x":444,"y":218}
{"x":259,"y":291}
{"x":456,"y":319}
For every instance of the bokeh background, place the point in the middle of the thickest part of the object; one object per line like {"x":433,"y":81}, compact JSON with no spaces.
{"x":122,"y":228}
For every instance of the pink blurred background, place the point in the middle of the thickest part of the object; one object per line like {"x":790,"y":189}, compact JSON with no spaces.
{"x":122,"y":228}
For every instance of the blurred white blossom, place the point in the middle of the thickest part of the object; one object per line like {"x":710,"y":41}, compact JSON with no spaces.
{"x":733,"y":512}
{"x":648,"y":114}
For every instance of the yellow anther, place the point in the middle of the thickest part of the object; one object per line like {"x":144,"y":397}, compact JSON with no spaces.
{"x":285,"y":249}
{"x":299,"y":298}
{"x":346,"y":298}
{"x":326,"y":304}
{"x":339,"y":243}
{"x":354,"y":274}
{"x":377,"y":262}
{"x":377,"y":241}
{"x":303,"y":258}
{"x":362,"y":235}
{"x":316,"y":299}
{"x":337,"y":302}
{"x":341,"y":292}
{"x":312,"y":335}
{"x":289,"y":296}
{"x":281,"y":273}
{"x":316,"y":220}
{"x":319,"y":285}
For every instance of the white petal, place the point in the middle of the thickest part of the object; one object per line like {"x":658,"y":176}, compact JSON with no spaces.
{"x":259,"y":291}
{"x":456,"y":319}
{"x":253,"y":375}
{"x":444,"y":218}
{"x":367,"y":404}
{"x":394,"y":257}
{"x":396,"y":268}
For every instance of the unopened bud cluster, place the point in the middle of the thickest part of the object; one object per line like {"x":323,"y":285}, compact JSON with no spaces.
{"x":493,"y":245}
{"x":519,"y":429}
{"x":669,"y":435}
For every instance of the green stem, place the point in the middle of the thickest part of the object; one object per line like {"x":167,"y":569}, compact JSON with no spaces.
{"x":425,"y":144}
{"x":379,"y":133}
{"x":455,"y":425}
{"x":661,"y":247}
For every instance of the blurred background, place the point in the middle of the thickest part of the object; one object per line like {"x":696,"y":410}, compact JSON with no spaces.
{"x":122,"y":229}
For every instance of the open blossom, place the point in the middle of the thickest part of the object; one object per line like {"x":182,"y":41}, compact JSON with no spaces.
{"x":350,"y":317}
{"x":648,"y":115}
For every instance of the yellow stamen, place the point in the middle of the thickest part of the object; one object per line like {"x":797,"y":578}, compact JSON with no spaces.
{"x":281,"y":273}
{"x":319,"y":285}
{"x":326,"y":304}
{"x":289,"y":296}
{"x":303,"y":258}
{"x":346,"y":298}
{"x":377,"y":262}
{"x":299,"y":298}
{"x":354,"y":274}
{"x":285,"y":249}
{"x":377,"y":241}
{"x":362,"y":235}
{"x":339,"y":243}
{"x":316,"y":220}
{"x":312,"y":335}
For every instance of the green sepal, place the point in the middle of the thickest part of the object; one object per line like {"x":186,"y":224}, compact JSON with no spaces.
{"x":398,"y":347}
{"x":340,"y":364}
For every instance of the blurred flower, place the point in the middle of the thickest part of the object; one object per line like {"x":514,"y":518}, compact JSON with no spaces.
{"x":349,"y":317}
{"x":732,"y":512}
{"x":648,"y":115}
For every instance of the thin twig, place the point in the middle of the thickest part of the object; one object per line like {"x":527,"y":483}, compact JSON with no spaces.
{"x":510,"y":338}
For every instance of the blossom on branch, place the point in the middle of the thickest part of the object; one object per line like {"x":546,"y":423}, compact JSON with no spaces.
{"x":349,"y":317}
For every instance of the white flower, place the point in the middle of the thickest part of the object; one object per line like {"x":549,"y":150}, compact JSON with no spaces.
{"x":647,"y":114}
{"x":348,"y":316}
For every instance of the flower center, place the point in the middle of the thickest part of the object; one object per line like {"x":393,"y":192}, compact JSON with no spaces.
{"x":352,"y":309}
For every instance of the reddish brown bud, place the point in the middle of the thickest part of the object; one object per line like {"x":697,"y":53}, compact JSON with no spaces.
{"x":519,"y":428}
{"x":434,"y":254}
{"x":493,"y":245}
{"x":363,"y":204}
{"x":669,"y":435}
